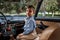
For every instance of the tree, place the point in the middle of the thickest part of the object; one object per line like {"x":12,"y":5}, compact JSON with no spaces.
{"x":51,"y":6}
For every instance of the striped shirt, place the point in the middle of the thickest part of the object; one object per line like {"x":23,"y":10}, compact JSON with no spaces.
{"x":29,"y":26}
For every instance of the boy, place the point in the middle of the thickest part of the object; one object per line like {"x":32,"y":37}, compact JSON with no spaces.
{"x":29,"y":26}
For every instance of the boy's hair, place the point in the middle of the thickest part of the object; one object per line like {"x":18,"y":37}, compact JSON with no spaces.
{"x":30,"y":6}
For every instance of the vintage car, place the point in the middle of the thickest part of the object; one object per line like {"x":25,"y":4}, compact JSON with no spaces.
{"x":48,"y":28}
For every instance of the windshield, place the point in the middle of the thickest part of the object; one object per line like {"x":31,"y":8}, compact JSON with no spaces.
{"x":14,"y":7}
{"x":49,"y":8}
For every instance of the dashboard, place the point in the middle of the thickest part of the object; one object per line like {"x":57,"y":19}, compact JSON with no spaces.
{"x":16,"y":24}
{"x":12,"y":19}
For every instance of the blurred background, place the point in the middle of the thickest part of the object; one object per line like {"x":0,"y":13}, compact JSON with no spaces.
{"x":50,"y":8}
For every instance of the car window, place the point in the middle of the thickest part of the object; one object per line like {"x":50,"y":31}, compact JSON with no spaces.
{"x":49,"y":8}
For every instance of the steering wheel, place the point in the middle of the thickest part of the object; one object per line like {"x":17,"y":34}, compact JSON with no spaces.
{"x":6,"y":31}
{"x":4,"y":18}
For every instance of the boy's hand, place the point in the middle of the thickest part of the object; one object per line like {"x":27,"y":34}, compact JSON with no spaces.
{"x":20,"y":35}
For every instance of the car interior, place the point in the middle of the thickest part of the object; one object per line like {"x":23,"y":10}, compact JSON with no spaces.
{"x":48,"y":28}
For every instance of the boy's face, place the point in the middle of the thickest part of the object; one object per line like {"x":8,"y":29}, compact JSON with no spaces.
{"x":29,"y":12}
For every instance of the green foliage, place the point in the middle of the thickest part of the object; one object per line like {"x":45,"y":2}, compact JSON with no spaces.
{"x":7,"y":7}
{"x":51,"y":5}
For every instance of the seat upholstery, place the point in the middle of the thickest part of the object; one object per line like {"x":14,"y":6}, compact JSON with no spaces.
{"x":51,"y":33}
{"x":55,"y":35}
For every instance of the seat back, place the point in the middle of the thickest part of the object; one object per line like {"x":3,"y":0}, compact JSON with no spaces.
{"x":51,"y":33}
{"x":55,"y":35}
